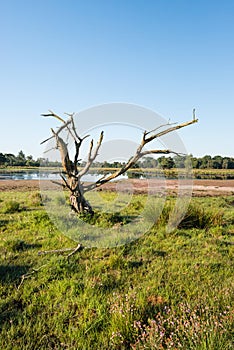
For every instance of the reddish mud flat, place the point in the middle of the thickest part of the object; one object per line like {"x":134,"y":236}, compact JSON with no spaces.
{"x":199,"y":187}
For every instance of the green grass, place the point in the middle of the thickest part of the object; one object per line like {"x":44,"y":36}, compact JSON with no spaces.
{"x":10,"y":207}
{"x":162,"y":291}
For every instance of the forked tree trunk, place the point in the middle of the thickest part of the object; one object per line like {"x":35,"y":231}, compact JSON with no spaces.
{"x":72,"y":175}
{"x":77,"y":200}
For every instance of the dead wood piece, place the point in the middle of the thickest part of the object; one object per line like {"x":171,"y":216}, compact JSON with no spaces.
{"x":28,"y":274}
{"x":53,"y":251}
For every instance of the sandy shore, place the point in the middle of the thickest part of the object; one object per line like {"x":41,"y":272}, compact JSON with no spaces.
{"x":199,"y":187}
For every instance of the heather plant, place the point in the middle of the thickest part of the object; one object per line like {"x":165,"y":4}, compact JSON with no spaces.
{"x":184,"y":326}
{"x":190,"y":328}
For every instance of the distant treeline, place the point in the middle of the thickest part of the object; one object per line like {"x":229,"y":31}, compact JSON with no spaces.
{"x":21,"y":160}
{"x":206,"y":162}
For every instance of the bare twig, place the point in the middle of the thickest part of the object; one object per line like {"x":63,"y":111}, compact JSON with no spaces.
{"x":52,"y":114}
{"x":159,"y":127}
{"x":169,"y":130}
{"x":78,"y":248}
{"x":54,"y":251}
{"x":57,"y":132}
{"x":66,"y":183}
{"x":64,"y":250}
{"x":58,"y":183}
{"x":28,"y":274}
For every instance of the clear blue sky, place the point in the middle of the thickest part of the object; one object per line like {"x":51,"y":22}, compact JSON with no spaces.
{"x":169,"y":56}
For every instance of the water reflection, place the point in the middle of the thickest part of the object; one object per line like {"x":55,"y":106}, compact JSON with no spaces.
{"x":46,"y":175}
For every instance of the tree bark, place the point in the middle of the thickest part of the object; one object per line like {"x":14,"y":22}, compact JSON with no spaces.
{"x":77,"y":200}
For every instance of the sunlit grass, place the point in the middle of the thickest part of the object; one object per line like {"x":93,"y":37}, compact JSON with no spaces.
{"x":163,"y":291}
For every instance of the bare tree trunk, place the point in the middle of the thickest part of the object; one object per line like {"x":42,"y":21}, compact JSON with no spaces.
{"x":77,"y":200}
{"x":72,"y":175}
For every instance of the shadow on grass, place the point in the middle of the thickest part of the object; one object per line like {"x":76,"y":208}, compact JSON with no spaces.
{"x":12,"y":273}
{"x":3,"y":223}
{"x":19,"y":245}
{"x":160,"y":253}
{"x":9,"y":310}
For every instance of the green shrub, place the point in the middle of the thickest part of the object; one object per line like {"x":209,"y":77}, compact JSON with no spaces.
{"x":104,"y":219}
{"x":10,"y":207}
{"x":196,"y":216}
{"x":35,"y":199}
{"x":199,"y":217}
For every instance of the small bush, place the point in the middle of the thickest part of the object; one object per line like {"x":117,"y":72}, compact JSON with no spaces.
{"x":104,"y":220}
{"x":36,"y":199}
{"x":136,"y":205}
{"x":198,"y":217}
{"x":10,"y":207}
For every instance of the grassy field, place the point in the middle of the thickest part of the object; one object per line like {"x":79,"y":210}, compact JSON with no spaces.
{"x":211,"y":174}
{"x":162,"y":291}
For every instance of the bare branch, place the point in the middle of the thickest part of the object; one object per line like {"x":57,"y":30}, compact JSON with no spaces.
{"x":92,"y":156}
{"x":70,"y":126}
{"x":63,"y":250}
{"x":28,"y":274}
{"x":57,"y":132}
{"x":139,"y":154}
{"x":65,"y":181}
{"x":49,"y":138}
{"x":194,"y":114}
{"x":58,"y":183}
{"x":70,"y":114}
{"x":52,"y":114}
{"x":77,"y":249}
{"x":66,"y":162}
{"x":164,"y":132}
{"x":50,"y":149}
{"x":74,"y":128}
{"x":66,"y":124}
{"x":166,"y":151}
{"x":159,"y":127}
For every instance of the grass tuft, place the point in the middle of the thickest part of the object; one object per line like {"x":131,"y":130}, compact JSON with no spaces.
{"x":200,"y":217}
{"x":104,"y":220}
{"x":10,"y":207}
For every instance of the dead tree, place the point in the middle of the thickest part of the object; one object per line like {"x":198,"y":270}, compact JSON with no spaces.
{"x":72,"y":175}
